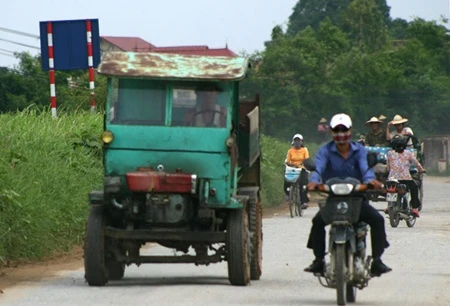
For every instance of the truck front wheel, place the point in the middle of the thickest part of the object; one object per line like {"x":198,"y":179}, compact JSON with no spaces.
{"x":94,"y":248}
{"x":238,"y":247}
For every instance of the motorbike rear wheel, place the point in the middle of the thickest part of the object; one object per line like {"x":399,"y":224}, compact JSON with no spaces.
{"x":341,"y":279}
{"x":411,"y":222}
{"x":394,"y":218}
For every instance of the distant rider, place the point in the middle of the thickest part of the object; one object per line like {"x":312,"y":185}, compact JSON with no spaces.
{"x":294,"y":158}
{"x":398,"y":163}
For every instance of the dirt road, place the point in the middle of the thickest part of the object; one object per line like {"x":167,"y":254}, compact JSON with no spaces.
{"x":418,"y":256}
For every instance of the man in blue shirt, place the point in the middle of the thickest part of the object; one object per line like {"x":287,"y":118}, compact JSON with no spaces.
{"x":345,"y":158}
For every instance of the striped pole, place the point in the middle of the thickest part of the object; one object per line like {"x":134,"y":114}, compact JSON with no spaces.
{"x":90,"y":64}
{"x":51,"y":66}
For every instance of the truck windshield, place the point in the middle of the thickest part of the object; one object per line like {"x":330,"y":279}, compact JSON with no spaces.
{"x":138,"y":102}
{"x":144,"y":102}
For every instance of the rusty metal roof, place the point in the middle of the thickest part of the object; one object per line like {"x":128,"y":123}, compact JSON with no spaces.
{"x":173,"y":66}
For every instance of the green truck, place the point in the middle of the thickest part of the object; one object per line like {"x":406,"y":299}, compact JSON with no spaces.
{"x":182,"y":159}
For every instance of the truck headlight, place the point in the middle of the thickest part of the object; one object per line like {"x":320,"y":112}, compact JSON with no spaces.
{"x":107,"y":137}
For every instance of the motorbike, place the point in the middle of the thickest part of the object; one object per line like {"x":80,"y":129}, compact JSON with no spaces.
{"x":348,"y":266}
{"x":399,"y":208}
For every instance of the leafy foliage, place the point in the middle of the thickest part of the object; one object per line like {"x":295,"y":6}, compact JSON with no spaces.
{"x":357,"y":61}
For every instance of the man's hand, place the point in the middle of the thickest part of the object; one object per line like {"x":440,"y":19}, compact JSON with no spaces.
{"x":376,"y":184}
{"x":312,"y":186}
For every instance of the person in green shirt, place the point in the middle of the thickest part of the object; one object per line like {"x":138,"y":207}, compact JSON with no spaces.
{"x":376,"y":137}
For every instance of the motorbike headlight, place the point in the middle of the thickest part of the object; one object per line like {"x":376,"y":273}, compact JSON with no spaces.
{"x":107,"y":137}
{"x":342,"y":189}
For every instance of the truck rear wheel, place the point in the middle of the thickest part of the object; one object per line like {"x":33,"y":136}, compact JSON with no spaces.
{"x":255,"y":225}
{"x":238,"y":248}
{"x":116,"y":270}
{"x":94,"y":249}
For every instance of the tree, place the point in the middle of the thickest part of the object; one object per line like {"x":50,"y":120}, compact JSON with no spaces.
{"x":26,"y":84}
{"x":312,"y":12}
{"x":365,"y":25}
{"x":398,"y":28}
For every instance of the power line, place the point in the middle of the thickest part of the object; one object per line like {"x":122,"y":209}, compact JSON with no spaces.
{"x":7,"y":50}
{"x":6,"y":54}
{"x":19,"y":33}
{"x":21,"y":44}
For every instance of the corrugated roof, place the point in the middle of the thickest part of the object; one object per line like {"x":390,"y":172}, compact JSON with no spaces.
{"x":173,"y":66}
{"x":196,"y":51}
{"x":129,"y":44}
{"x":181,"y":48}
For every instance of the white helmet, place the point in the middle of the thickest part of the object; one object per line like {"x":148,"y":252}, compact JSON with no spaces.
{"x":297,"y":136}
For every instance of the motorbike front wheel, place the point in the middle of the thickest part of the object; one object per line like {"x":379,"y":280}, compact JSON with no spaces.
{"x":293,"y":201}
{"x":351,"y":294}
{"x":341,"y":279}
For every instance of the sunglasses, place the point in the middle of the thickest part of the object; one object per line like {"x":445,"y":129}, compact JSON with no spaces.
{"x":340,"y":129}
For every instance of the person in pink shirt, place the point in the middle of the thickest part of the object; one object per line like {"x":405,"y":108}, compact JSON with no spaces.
{"x":398,"y":163}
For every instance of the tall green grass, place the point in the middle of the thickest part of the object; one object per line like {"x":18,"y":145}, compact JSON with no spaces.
{"x":47,"y":167}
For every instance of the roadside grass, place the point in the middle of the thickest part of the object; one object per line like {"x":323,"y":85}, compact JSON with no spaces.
{"x":47,"y":167}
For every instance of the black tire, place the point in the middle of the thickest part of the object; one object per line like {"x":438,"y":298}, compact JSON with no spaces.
{"x":292,"y":202}
{"x":94,"y":249}
{"x":351,"y":294}
{"x":421,"y":195}
{"x":341,"y":281}
{"x":256,"y":238}
{"x":298,"y":205}
{"x":394,"y":218}
{"x":237,"y":245}
{"x":411,"y":222}
{"x":116,"y":270}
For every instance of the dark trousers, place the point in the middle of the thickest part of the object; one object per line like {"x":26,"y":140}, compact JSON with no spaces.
{"x":415,"y":202}
{"x":302,"y":181}
{"x":368,"y":215}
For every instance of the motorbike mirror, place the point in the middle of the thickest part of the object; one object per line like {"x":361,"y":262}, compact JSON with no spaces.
{"x":372,"y":159}
{"x":309,"y":164}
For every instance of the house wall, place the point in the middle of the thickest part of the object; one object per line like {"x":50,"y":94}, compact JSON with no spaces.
{"x":436,"y":148}
{"x":106,"y":46}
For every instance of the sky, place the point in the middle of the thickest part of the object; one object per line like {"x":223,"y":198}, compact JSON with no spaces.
{"x":243,"y":25}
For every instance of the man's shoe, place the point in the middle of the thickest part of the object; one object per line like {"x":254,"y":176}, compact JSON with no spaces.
{"x":378,"y":268}
{"x":304,"y":205}
{"x":415,"y":212}
{"x":316,"y":267}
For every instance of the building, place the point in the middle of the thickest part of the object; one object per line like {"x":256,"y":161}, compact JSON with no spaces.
{"x":136,"y":44}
